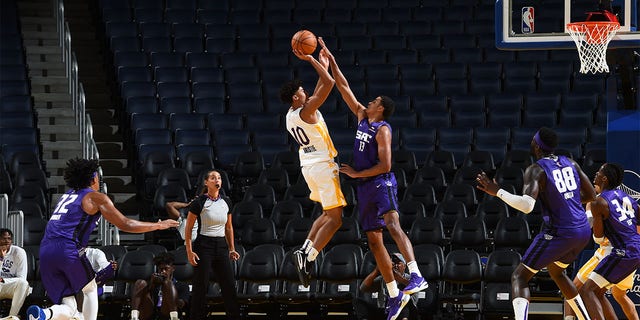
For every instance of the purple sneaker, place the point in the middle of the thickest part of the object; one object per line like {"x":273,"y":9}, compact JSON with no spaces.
{"x":416,"y":284}
{"x":395,"y":305}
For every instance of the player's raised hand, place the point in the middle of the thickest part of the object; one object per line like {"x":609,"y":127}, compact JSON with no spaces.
{"x":323,"y":59}
{"x":324,"y":48}
{"x":302,"y":56}
{"x":487,"y":185}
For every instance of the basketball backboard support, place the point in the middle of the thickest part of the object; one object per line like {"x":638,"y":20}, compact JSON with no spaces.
{"x":541,"y":25}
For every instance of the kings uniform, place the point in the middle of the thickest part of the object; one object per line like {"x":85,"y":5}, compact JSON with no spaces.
{"x":376,"y":195}
{"x":316,"y":159}
{"x":65,"y":267}
{"x":620,"y":229}
{"x":565,"y":231}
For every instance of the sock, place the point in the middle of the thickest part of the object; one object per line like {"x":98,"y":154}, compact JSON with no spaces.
{"x":392,"y":287}
{"x":173,"y":315}
{"x":312,"y":254}
{"x":578,"y":307}
{"x":413,"y":268}
{"x":569,"y":318}
{"x":135,"y":314}
{"x":66,"y":310}
{"x":90,"y":301}
{"x":306,"y":246}
{"x":520,"y":308}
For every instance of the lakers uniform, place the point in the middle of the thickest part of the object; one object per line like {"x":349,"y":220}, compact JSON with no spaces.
{"x":316,"y":153}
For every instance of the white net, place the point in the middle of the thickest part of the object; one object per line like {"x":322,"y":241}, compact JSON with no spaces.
{"x":592,"y":39}
{"x":633,"y":193}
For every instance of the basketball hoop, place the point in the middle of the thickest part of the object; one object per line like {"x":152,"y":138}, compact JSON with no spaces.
{"x":633,"y":193}
{"x":592,"y":39}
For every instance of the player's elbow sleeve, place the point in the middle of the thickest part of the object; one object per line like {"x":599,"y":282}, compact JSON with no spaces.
{"x":523,"y":203}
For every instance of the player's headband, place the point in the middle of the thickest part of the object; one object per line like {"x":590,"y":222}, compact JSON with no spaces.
{"x":541,"y":144}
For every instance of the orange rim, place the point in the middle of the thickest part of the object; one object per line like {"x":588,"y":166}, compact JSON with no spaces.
{"x":596,"y":31}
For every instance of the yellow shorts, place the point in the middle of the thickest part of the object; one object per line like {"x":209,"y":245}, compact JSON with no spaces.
{"x":589,"y":266}
{"x":323,"y":180}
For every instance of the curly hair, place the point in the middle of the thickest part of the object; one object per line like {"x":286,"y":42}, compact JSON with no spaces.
{"x":80,"y":172}
{"x":614,"y":173}
{"x":165,"y":258}
{"x":288,"y":90}
{"x":6,"y":230}
{"x":389,"y":106}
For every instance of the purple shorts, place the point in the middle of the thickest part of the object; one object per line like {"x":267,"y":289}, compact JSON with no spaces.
{"x":619,"y":264}
{"x":376,"y":196}
{"x":64,"y":269}
{"x":553,"y":244}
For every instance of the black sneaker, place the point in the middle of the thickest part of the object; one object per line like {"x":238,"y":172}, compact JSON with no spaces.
{"x":303,"y":267}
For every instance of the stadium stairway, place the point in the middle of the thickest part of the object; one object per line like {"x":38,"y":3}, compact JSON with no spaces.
{"x":49,"y":88}
{"x":58,"y":131}
{"x":88,"y":48}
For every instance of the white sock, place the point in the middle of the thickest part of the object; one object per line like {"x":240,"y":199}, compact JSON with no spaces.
{"x":520,"y":308}
{"x":392,"y":287}
{"x":312,"y":254}
{"x":569,"y":318}
{"x":413,"y":268}
{"x":90,"y":301}
{"x":135,"y":314}
{"x":173,"y":315}
{"x":578,"y":308}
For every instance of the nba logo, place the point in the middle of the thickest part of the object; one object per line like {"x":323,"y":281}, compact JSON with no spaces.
{"x":527,"y":20}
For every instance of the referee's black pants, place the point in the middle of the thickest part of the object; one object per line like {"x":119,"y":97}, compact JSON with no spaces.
{"x":214,"y":256}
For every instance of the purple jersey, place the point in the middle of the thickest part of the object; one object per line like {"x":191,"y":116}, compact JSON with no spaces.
{"x":620,"y":227}
{"x":365,"y":148}
{"x":69,"y":221}
{"x":560,"y":199}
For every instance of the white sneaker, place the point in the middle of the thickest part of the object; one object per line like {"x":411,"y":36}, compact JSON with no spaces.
{"x":10,"y":318}
{"x":77,"y":316}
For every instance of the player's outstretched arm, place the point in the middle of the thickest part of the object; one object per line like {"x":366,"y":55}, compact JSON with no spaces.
{"x":342,"y":84}
{"x":525,"y":203}
{"x":96,"y":201}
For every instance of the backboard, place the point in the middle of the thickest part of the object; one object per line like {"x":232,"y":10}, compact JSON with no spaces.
{"x":538,"y":24}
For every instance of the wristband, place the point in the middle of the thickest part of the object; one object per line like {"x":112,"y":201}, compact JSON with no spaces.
{"x":598,"y":240}
{"x":589,"y":217}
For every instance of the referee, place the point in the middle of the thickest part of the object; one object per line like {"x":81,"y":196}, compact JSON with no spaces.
{"x":213,"y":249}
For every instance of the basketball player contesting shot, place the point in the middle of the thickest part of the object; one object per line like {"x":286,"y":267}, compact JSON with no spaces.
{"x":561,"y":186}
{"x":377,"y":187}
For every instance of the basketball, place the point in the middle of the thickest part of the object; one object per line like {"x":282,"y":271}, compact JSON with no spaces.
{"x":304,"y":41}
